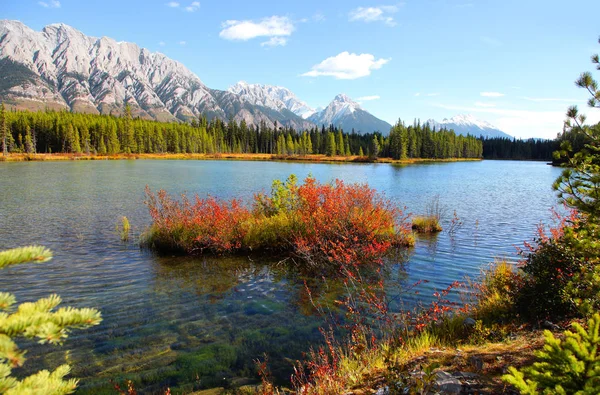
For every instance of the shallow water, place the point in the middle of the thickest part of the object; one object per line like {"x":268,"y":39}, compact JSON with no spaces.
{"x":199,"y":323}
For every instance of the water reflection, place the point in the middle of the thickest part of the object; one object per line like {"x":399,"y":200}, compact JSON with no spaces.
{"x":189,"y":323}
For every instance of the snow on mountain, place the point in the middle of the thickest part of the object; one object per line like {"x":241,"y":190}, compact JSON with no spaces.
{"x":62,"y":68}
{"x":347,"y":114}
{"x":276,"y":97}
{"x":467,"y":124}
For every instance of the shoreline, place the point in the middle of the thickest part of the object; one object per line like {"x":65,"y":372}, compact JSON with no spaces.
{"x":317,"y":158}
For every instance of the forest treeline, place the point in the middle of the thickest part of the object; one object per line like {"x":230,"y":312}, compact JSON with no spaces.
{"x":53,"y":132}
{"x":515,"y":149}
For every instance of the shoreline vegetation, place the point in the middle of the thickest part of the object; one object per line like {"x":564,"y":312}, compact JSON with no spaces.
{"x":58,"y":157}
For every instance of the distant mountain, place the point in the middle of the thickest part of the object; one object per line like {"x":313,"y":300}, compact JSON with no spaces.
{"x":61,"y":68}
{"x":345,"y":113}
{"x":467,"y":124}
{"x":276,"y":97}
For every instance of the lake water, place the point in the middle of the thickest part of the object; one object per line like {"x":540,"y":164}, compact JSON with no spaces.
{"x":199,"y":323}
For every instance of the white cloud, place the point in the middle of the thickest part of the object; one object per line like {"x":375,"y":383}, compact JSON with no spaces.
{"x":182,"y":42}
{"x":491,"y":94}
{"x":274,"y":42}
{"x":369,"y":98}
{"x":173,"y":4}
{"x":318,"y":17}
{"x":275,"y":26}
{"x":481,"y":104}
{"x":490,"y":41}
{"x":347,"y":66}
{"x":374,"y":14}
{"x":162,"y":43}
{"x":418,"y":94}
{"x":50,"y":4}
{"x":193,"y":7}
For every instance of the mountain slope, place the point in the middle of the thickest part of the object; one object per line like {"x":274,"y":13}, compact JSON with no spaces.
{"x":60,"y":67}
{"x":467,"y":124}
{"x":345,"y":113}
{"x":276,"y":97}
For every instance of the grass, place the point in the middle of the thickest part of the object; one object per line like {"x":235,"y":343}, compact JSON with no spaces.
{"x":124,"y":229}
{"x":426,"y":224}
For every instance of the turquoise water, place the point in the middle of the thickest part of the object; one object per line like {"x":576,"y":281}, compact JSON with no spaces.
{"x":199,"y":323}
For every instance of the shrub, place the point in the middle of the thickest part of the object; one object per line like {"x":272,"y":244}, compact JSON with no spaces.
{"x":36,"y":320}
{"x":554,"y":267}
{"x":322,"y":224}
{"x":496,"y":291}
{"x":424,"y":224}
{"x":570,"y":366}
{"x":195,"y":227}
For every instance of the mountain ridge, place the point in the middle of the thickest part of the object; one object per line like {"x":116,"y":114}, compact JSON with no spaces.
{"x":464,"y":124}
{"x":60,"y":68}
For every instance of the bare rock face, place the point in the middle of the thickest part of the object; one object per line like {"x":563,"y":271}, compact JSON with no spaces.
{"x":62,"y":68}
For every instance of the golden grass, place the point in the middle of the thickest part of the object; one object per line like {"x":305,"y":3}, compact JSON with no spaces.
{"x":426,"y":224}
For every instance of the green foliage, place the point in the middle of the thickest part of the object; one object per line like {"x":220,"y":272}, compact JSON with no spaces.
{"x":17,"y":256}
{"x":552,"y":286}
{"x":513,"y":149}
{"x":283,"y":199}
{"x":36,"y":320}
{"x":569,"y":366}
{"x":579,"y":184}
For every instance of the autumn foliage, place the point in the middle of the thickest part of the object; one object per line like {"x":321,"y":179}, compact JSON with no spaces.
{"x":317,"y":224}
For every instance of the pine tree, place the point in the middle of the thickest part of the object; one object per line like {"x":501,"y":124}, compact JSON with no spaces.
{"x":339,"y":144}
{"x":330,"y":149}
{"x":579,"y":184}
{"x":375,"y":147}
{"x":570,"y":366}
{"x":29,"y":148}
{"x":3,"y":129}
{"x":36,"y":320}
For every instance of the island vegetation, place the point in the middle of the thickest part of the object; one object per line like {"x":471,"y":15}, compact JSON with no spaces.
{"x":314,"y":224}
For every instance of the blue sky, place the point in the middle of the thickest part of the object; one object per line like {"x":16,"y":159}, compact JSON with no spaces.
{"x":511,"y":63}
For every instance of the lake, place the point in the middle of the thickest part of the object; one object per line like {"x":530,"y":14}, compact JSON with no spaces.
{"x":192,"y":323}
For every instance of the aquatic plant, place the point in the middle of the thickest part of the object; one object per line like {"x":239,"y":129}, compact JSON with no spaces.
{"x":36,"y":320}
{"x":316,"y":224}
{"x":124,"y":229}
{"x":424,"y":224}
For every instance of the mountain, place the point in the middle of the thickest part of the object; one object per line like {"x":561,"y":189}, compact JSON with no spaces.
{"x":275,"y":97}
{"x":61,"y":68}
{"x":347,"y":114}
{"x":467,"y":124}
